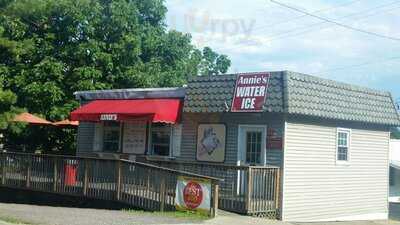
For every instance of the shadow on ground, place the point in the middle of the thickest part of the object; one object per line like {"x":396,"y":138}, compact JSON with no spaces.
{"x":8,"y":195}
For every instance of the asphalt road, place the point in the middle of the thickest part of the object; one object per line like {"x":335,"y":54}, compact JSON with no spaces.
{"x":47,"y":215}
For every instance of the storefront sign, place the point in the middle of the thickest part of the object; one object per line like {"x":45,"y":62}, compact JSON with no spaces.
{"x":211,"y":142}
{"x":108,"y":117}
{"x":193,"y":194}
{"x":250,"y":92}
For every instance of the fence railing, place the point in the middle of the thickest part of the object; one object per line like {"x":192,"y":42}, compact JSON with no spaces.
{"x":138,"y":184}
{"x":251,"y":190}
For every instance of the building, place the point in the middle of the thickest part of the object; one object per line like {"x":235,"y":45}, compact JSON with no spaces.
{"x":394,"y":173}
{"x":330,"y":139}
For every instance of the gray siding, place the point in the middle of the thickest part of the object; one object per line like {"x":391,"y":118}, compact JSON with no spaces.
{"x":316,"y":188}
{"x":85,"y":137}
{"x":190,"y":122}
{"x":232,"y":121}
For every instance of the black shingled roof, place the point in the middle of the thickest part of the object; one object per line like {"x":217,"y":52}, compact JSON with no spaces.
{"x":297,"y":94}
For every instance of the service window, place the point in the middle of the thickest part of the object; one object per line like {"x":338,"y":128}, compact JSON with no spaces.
{"x":343,"y":145}
{"x":111,"y":136}
{"x":160,"y":139}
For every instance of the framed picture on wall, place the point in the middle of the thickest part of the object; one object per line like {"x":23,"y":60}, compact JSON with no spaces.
{"x":211,"y":142}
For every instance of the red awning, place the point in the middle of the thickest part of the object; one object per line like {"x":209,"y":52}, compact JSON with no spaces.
{"x":155,"y":110}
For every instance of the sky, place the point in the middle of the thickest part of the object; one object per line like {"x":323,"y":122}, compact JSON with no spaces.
{"x":259,"y":35}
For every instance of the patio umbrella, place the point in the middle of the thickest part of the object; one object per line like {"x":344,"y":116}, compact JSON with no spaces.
{"x":31,"y":119}
{"x":66,"y":123}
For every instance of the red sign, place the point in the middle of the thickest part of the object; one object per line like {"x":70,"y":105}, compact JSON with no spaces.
{"x":250,"y":92}
{"x":193,"y":195}
{"x":274,"y":139}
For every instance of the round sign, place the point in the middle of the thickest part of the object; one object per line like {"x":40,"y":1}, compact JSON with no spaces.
{"x":193,"y":195}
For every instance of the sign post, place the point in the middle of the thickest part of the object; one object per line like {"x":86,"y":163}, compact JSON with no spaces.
{"x":250,"y":92}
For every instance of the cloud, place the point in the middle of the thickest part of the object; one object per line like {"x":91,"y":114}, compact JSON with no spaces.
{"x":262,"y":36}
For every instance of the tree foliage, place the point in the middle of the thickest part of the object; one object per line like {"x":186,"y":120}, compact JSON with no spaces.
{"x":51,"y":48}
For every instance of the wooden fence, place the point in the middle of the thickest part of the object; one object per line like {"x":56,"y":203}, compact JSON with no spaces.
{"x":251,"y":190}
{"x":140,"y":185}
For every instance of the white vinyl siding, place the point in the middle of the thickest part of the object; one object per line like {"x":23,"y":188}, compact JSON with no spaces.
{"x":316,"y":189}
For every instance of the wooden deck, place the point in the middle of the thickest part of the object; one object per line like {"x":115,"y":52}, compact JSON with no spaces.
{"x":250,"y":190}
{"x":140,"y":185}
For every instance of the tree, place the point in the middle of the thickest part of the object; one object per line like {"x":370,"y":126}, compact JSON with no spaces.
{"x":212,"y":63}
{"x":7,"y":109}
{"x":51,"y":48}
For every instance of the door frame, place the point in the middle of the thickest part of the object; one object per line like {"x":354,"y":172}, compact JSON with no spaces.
{"x":263,"y":148}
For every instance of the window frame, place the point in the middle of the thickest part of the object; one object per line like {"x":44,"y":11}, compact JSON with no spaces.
{"x":120,"y":135}
{"x":150,"y":143}
{"x":241,"y":154}
{"x":253,"y":151}
{"x":348,"y":132}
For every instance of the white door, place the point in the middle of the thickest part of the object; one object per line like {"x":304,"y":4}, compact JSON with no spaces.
{"x":251,"y":152}
{"x":252,"y":144}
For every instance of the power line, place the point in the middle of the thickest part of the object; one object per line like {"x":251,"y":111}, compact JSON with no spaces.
{"x":336,"y":23}
{"x":294,"y":34}
{"x":361,"y":64}
{"x":311,"y":27}
{"x":299,"y":17}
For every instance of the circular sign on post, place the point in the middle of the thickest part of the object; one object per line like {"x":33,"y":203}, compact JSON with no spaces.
{"x":193,"y":195}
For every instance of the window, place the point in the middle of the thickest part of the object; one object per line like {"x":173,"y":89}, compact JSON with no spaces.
{"x":392,"y":176}
{"x":160,"y":139}
{"x":343,"y":145}
{"x":111,"y":140}
{"x":253,"y":147}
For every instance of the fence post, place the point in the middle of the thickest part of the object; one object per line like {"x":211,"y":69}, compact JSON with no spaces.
{"x":119,"y":174}
{"x":85,"y":177}
{"x":162,"y":194}
{"x":215,"y":199}
{"x":55,"y":175}
{"x":28,"y":172}
{"x":3,"y":172}
{"x":249,"y":189}
{"x":277,"y":188}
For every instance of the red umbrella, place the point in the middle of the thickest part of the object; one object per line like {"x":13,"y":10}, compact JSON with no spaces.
{"x":31,"y":119}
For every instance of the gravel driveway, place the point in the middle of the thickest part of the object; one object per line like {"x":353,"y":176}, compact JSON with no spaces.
{"x":47,"y":215}
{"x":80,"y":216}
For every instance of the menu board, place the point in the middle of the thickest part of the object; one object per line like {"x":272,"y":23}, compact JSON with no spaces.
{"x":134,"y":138}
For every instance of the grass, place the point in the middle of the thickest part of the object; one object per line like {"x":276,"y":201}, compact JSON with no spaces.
{"x":12,"y":220}
{"x":191,"y":215}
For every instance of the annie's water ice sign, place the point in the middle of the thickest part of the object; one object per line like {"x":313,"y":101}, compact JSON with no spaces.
{"x":250,"y":92}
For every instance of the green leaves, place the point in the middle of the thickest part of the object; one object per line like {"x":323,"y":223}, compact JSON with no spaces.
{"x":212,"y":63}
{"x":50,"y":49}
